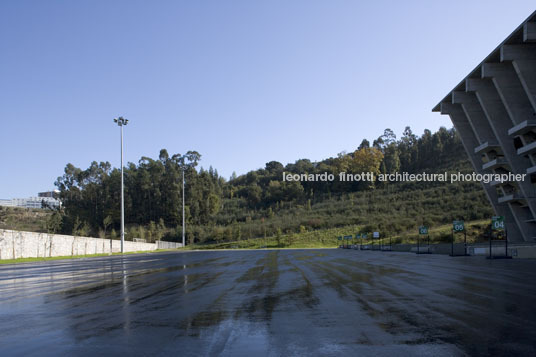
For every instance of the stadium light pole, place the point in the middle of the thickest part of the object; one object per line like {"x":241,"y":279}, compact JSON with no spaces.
{"x":183,"y":221}
{"x":122,"y":122}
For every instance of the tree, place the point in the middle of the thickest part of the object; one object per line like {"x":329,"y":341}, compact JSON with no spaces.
{"x":278,"y":237}
{"x":106,"y":223}
{"x":54,"y":222}
{"x":391,"y":158}
{"x":76,"y":226}
{"x":407,"y":149}
{"x":364,"y":144}
{"x":151,"y":232}
{"x":388,"y":137}
{"x":366,"y":160}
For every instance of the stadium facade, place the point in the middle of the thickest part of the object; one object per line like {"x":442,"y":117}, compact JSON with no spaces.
{"x":494,"y":111}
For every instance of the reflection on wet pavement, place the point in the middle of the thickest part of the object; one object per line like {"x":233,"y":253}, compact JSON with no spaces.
{"x":270,"y":302}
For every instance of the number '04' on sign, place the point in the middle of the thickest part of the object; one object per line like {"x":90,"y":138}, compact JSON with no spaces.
{"x":497,"y":222}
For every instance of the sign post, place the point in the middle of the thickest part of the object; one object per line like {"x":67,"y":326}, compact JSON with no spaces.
{"x":458,"y":227}
{"x":423,"y":230}
{"x":497,"y":224}
{"x":347,"y":239}
{"x":376,"y":235}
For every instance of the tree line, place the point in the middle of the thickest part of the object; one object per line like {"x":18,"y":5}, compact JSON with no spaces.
{"x":245,"y":206}
{"x":264,"y":187}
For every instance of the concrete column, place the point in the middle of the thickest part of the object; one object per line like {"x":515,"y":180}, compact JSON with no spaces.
{"x":514,"y":98}
{"x":523,"y":58}
{"x":526,"y":70}
{"x":529,"y":32}
{"x":489,"y":145}
{"x":510,"y":89}
{"x":476,"y":117}
{"x":469,"y":141}
{"x":500,"y":122}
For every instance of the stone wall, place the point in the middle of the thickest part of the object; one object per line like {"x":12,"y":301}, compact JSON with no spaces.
{"x":17,"y":244}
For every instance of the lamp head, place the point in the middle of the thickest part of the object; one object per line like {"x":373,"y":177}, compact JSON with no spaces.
{"x":121,"y":121}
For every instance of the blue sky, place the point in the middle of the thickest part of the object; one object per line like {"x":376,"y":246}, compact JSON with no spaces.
{"x":242,"y":82}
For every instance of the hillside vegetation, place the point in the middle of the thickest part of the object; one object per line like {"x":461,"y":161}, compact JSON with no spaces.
{"x":24,"y":219}
{"x":261,"y":206}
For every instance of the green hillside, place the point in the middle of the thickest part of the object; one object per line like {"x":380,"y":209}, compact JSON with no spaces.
{"x":263,"y":204}
{"x":24,"y":219}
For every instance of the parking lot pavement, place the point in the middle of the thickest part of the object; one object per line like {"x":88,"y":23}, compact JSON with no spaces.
{"x":270,"y":302}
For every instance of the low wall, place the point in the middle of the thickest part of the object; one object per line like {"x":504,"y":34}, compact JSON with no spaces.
{"x":160,"y":244}
{"x":515,"y":250}
{"x":17,"y":244}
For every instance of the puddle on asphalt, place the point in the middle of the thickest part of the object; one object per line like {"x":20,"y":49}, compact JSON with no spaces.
{"x":203,"y":319}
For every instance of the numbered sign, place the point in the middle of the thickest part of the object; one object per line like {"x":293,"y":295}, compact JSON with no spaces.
{"x":423,"y":230}
{"x":458,"y":226}
{"x":497,"y":223}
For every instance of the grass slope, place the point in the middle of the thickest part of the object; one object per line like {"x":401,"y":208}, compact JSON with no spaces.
{"x":24,"y":219}
{"x":327,"y":238}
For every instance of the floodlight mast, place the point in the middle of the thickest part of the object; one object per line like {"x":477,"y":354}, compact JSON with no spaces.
{"x":183,"y":220}
{"x":122,"y":122}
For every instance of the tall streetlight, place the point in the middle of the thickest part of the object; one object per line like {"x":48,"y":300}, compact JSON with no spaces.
{"x":183,"y":241}
{"x":122,"y":122}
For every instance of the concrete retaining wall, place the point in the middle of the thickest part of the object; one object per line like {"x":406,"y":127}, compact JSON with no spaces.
{"x":160,"y":244}
{"x":515,"y":250}
{"x":17,"y":244}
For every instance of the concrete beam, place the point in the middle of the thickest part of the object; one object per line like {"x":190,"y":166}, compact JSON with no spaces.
{"x":487,"y":147}
{"x":496,"y":163}
{"x":475,"y":116}
{"x":529,"y":32}
{"x":523,"y":128}
{"x":527,"y":149}
{"x":500,"y":122}
{"x":515,"y":52}
{"x":510,"y":90}
{"x":469,"y":141}
{"x":522,"y":219}
{"x":526,"y":70}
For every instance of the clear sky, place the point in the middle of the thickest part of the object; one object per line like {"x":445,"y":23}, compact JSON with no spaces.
{"x":242,"y":82}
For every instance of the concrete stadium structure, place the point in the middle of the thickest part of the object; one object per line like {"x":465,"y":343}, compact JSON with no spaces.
{"x":494,"y":111}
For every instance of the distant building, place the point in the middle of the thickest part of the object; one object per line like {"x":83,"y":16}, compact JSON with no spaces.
{"x":33,"y":202}
{"x":52,"y":194}
{"x":6,"y":203}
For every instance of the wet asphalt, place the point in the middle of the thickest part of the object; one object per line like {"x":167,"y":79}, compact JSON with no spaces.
{"x":270,"y":302}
